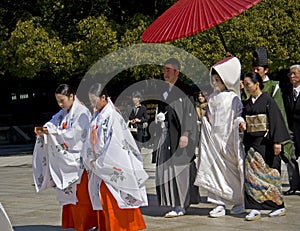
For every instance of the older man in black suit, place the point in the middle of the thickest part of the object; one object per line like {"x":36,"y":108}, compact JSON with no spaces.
{"x":293,"y":116}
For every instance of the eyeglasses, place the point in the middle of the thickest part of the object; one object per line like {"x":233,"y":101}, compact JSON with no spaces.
{"x":292,"y":73}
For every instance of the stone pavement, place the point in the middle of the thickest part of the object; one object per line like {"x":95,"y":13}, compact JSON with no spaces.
{"x":29,"y":211}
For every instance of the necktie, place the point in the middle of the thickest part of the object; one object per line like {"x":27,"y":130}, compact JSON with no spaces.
{"x":295,"y":94}
{"x":136,"y":109}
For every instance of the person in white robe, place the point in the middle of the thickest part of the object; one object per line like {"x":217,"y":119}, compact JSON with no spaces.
{"x":57,"y":152}
{"x":113,"y":158}
{"x":220,"y":163}
{"x":57,"y":158}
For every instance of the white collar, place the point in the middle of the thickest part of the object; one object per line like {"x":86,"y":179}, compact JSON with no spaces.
{"x":297,"y":89}
{"x":266,"y":79}
{"x":254,"y":99}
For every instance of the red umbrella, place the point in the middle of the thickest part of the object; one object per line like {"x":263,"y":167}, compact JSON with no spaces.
{"x":188,"y":17}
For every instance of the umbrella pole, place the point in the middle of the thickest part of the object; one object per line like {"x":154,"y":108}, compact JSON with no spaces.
{"x":223,"y":41}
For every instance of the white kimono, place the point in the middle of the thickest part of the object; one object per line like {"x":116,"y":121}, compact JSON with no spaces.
{"x":220,"y":166}
{"x":112,"y":155}
{"x":57,"y":160}
{"x":220,"y":163}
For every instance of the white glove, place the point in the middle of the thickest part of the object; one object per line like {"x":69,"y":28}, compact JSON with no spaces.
{"x":160,"y":117}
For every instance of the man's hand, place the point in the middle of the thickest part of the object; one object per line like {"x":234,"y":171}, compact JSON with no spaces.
{"x":160,"y":117}
{"x":183,"y":141}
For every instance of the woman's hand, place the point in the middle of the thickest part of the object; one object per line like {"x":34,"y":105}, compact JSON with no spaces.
{"x":38,"y":131}
{"x":45,"y":130}
{"x":41,"y":130}
{"x":242,"y":126}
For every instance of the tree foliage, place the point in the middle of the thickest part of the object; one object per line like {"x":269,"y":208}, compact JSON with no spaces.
{"x":30,"y":49}
{"x":270,"y":23}
{"x":97,"y":40}
{"x":65,"y":37}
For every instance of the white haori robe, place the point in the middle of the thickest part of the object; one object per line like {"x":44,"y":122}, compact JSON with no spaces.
{"x":5,"y":224}
{"x":57,"y":160}
{"x":220,"y":163}
{"x":112,"y":155}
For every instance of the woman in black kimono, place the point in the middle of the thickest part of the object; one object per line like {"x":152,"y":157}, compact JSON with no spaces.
{"x":265,"y":132}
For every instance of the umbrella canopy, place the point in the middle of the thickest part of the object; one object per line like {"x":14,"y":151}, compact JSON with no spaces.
{"x":188,"y":17}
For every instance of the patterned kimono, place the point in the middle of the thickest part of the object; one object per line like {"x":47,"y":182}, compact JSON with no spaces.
{"x":263,"y":183}
{"x":116,"y":174}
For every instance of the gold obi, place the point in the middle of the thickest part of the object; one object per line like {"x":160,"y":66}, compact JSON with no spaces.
{"x":257,"y":123}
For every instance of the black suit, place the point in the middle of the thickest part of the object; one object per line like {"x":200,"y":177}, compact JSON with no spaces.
{"x":293,"y":116}
{"x":139,"y":112}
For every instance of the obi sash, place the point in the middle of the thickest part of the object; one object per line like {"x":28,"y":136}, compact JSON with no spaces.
{"x":257,"y":123}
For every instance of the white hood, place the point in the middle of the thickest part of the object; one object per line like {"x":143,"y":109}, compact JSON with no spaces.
{"x":229,"y":70}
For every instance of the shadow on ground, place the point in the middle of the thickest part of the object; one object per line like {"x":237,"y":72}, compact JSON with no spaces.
{"x":39,"y":228}
{"x":154,"y":210}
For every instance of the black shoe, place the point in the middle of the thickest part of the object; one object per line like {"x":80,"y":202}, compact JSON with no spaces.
{"x":289,"y":192}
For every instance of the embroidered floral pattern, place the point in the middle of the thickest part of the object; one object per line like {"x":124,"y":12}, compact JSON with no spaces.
{"x":130,"y":200}
{"x":131,"y":149}
{"x":105,"y":125}
{"x":89,"y":152}
{"x":40,"y":141}
{"x":123,"y":124}
{"x":40,"y":180}
{"x":139,"y":180}
{"x":262,"y":183}
{"x":68,"y":190}
{"x":80,"y":161}
{"x":44,"y":161}
{"x":61,"y":148}
{"x":117,"y":175}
